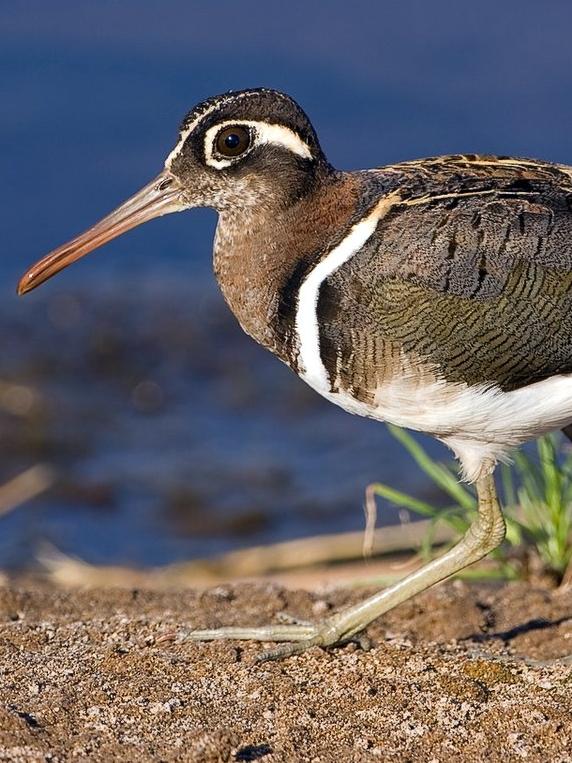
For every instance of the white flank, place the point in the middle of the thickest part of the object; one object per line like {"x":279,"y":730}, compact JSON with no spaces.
{"x":312,"y":369}
{"x":264,"y":132}
{"x":481,"y":424}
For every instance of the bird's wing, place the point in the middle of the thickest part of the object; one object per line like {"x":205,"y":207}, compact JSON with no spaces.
{"x":470,"y":272}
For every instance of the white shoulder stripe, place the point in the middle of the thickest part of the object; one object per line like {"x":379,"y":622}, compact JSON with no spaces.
{"x":313,"y":370}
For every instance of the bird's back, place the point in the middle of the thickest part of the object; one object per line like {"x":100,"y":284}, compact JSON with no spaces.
{"x":470,"y":271}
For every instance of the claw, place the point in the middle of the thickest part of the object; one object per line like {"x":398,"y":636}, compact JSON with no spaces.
{"x":285,"y":650}
{"x":320,"y":639}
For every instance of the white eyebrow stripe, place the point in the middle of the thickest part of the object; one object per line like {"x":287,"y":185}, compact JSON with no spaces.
{"x":184,"y":134}
{"x":265,"y":132}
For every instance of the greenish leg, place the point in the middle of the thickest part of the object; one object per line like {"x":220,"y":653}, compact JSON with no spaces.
{"x":484,"y":535}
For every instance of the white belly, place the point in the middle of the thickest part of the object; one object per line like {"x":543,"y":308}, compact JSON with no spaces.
{"x":479,"y":423}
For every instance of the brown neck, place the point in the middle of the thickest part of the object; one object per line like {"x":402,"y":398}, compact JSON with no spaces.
{"x":262,"y":257}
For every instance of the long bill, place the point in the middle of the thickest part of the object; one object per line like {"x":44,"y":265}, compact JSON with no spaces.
{"x":159,"y":197}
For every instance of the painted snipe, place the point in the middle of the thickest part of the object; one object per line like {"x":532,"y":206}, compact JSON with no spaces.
{"x":434,"y":294}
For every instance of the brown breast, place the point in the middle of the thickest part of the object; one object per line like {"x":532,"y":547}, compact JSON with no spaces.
{"x":261,"y":258}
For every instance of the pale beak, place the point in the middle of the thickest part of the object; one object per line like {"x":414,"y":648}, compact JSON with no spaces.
{"x":160,"y":197}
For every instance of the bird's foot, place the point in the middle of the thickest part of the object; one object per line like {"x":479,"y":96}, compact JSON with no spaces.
{"x":329,"y":632}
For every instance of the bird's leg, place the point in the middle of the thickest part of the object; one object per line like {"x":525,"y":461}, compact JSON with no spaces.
{"x":485,"y":534}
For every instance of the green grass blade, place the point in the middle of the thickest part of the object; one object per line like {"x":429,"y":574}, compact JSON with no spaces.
{"x":507,"y":482}
{"x":403,"y":499}
{"x":537,"y":493}
{"x":440,"y":475}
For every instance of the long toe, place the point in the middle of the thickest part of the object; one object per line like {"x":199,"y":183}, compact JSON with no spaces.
{"x":275,"y":632}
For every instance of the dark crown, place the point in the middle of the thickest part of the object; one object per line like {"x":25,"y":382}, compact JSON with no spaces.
{"x":256,"y":104}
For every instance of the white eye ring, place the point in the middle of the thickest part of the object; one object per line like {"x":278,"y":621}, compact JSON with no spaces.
{"x":260,"y":133}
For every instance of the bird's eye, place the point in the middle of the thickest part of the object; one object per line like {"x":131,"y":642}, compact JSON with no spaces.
{"x":233,"y":141}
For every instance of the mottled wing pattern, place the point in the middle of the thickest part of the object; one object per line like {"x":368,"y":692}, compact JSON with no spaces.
{"x":470,"y":274}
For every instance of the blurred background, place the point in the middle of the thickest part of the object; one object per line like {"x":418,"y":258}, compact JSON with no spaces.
{"x":168,"y":433}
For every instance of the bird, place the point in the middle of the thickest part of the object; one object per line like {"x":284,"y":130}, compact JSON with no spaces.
{"x":434,"y":294}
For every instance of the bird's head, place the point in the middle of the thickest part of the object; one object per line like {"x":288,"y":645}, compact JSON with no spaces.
{"x":244,"y":150}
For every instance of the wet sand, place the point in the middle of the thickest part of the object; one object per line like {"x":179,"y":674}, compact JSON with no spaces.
{"x":453,"y":675}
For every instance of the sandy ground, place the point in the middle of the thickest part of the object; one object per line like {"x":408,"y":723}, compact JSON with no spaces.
{"x":86,"y":676}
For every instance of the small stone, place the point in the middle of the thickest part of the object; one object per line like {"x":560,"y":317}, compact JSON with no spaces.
{"x":320,"y":607}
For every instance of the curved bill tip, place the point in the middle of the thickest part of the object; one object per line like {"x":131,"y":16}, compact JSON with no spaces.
{"x":161,"y":196}
{"x":23,"y":285}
